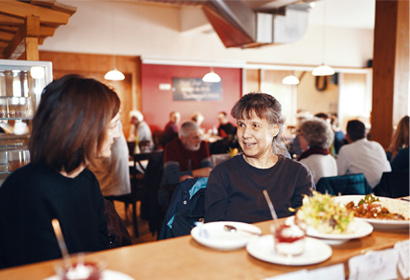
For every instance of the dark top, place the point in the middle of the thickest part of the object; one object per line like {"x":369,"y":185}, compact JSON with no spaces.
{"x":339,"y":140}
{"x":226,"y":129}
{"x":234,"y":190}
{"x":401,"y":160}
{"x":34,"y":195}
{"x":179,"y":161}
{"x":170,"y":133}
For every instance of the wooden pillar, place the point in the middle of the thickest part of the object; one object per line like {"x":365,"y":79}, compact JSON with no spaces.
{"x":31,"y":40}
{"x":390,"y":68}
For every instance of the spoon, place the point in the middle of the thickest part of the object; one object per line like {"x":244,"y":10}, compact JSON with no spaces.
{"x":234,"y":229}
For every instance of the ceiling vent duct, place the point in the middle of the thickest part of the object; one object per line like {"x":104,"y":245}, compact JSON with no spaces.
{"x":254,"y":23}
{"x":239,"y":26}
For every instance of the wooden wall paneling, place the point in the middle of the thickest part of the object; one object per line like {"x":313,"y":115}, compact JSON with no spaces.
{"x":252,"y":80}
{"x":95,"y":66}
{"x":390,"y":68}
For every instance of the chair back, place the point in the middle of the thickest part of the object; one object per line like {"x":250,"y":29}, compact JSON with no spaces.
{"x":186,"y":208}
{"x":345,"y":185}
{"x":393,"y":184}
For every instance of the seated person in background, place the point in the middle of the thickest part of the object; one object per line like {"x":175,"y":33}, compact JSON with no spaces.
{"x":113,"y":173}
{"x":225,"y":128}
{"x":198,"y":118}
{"x":294,"y":146}
{"x":57,"y":184}
{"x":361,"y":155}
{"x":140,"y":132}
{"x":398,"y":151}
{"x":315,"y":138}
{"x":187,"y":156}
{"x":234,"y":189}
{"x":171,"y":128}
{"x":339,"y":137}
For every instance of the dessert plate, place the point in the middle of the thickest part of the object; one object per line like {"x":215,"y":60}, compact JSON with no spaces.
{"x":214,"y":236}
{"x":106,"y":275}
{"x":262,"y":248}
{"x":397,"y":204}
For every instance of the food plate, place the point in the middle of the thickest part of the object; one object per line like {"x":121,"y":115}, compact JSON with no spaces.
{"x":262,"y":248}
{"x":358,"y":228}
{"x":377,"y":223}
{"x":106,"y":275}
{"x":214,"y":236}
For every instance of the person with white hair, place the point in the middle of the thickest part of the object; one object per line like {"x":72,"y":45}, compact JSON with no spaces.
{"x":140,"y":131}
{"x":186,"y":156}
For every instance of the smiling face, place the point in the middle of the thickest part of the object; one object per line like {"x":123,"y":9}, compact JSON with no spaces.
{"x":112,"y":133}
{"x":255,"y":136}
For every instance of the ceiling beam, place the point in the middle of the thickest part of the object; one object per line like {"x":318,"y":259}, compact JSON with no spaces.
{"x":25,"y":40}
{"x":23,"y":10}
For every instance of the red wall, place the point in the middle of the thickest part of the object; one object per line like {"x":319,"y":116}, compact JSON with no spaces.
{"x":157,"y":104}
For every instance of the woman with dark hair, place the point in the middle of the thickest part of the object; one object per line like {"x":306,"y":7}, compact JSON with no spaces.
{"x":75,"y":123}
{"x":316,"y":136}
{"x":234,"y":189}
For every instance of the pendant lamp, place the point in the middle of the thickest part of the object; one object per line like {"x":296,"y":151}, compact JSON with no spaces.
{"x":211,"y":77}
{"x":113,"y":75}
{"x":323,"y":69}
{"x":290,"y":80}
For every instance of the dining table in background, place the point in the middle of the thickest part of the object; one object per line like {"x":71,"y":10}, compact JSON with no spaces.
{"x":183,"y":258}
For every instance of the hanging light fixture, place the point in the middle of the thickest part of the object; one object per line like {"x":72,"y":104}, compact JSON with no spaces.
{"x":323,"y":69}
{"x":290,"y":80}
{"x":113,"y":75}
{"x":211,"y":77}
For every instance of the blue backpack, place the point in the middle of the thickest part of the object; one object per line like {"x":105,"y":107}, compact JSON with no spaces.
{"x":186,"y":208}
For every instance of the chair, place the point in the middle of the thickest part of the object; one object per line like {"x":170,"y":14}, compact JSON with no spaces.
{"x":137,"y":193}
{"x":345,"y":185}
{"x":139,"y":185}
{"x":219,"y":158}
{"x":393,"y":184}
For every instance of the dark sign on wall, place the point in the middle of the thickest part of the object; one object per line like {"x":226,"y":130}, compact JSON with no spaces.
{"x":194,"y":89}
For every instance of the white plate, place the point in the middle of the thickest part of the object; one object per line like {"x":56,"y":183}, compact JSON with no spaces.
{"x":377,"y":223}
{"x":218,"y":238}
{"x":107,"y":275}
{"x":358,"y":228}
{"x":262,"y":248}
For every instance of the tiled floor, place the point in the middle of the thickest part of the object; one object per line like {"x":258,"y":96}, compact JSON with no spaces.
{"x":144,"y":234}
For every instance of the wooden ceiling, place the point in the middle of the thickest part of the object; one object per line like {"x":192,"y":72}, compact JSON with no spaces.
{"x":26,"y":24}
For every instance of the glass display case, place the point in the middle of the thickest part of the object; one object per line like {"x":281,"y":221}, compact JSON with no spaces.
{"x":21,"y":84}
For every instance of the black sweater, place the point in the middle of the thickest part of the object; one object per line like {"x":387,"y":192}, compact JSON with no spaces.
{"x":34,"y":195}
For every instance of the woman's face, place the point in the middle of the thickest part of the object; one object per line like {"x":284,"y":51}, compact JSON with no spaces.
{"x":113,"y":132}
{"x":255,"y":136}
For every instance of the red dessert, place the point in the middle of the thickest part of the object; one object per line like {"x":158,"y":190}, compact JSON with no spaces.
{"x":290,"y":240}
{"x":82,"y":271}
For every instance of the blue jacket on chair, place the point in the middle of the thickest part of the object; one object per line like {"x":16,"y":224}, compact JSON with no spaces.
{"x":186,"y":208}
{"x":344,"y":184}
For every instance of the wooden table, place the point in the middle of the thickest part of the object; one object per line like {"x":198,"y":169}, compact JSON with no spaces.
{"x":183,"y":258}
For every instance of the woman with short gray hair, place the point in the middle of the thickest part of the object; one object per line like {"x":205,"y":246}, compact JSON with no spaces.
{"x":316,"y":136}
